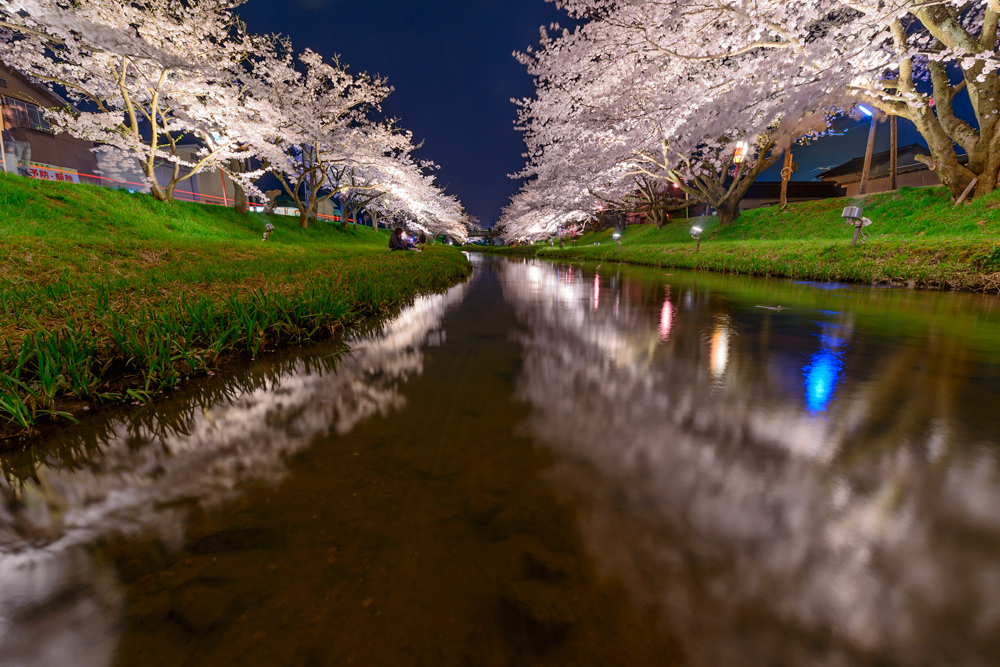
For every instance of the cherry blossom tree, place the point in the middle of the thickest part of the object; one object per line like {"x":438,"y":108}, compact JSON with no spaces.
{"x":322,"y":130}
{"x":739,"y":67}
{"x":928,"y":55}
{"x":146,"y":74}
{"x":700,"y":95}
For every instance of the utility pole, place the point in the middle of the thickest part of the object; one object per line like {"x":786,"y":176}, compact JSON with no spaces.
{"x":868,"y":156}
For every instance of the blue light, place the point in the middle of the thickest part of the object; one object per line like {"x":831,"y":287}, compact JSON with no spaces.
{"x":824,"y":370}
{"x":865,"y":110}
{"x":822,"y":374}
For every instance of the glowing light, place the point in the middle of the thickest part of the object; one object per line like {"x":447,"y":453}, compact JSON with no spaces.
{"x":822,"y":373}
{"x":597,"y":290}
{"x":666,"y":319}
{"x":741,"y":151}
{"x":865,"y":110}
{"x":719,"y":355}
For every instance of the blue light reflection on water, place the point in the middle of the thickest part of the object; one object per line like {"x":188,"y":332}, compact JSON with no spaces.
{"x":825,"y":368}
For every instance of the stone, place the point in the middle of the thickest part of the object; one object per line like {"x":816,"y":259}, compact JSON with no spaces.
{"x":535,"y":616}
{"x":543,"y":565}
{"x":147,"y":612}
{"x":482,"y":509}
{"x":234,"y":538}
{"x":200,"y":608}
{"x":529,"y":521}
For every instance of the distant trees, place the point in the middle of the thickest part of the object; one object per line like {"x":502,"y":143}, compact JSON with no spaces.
{"x":147,"y":74}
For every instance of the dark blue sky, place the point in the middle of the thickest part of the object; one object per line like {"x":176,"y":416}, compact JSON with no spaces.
{"x":451,"y":65}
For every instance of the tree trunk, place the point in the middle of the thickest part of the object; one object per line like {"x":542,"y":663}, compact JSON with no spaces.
{"x":240,"y":201}
{"x":154,"y":186}
{"x":304,"y":216}
{"x":728,"y":212}
{"x":157,"y":191}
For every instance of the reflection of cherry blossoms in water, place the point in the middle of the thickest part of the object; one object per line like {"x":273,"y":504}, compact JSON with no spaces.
{"x":764,"y":535}
{"x":143,"y":479}
{"x":597,"y":290}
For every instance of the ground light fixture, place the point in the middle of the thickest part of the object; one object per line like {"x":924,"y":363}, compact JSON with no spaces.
{"x":853,"y":216}
{"x":696,"y":235}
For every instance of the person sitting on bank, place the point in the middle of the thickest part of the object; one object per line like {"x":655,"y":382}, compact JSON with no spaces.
{"x":397,"y":241}
{"x":422,"y":239}
{"x":14,"y":145}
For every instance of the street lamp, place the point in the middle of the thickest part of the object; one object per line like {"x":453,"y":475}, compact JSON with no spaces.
{"x":617,"y":236}
{"x":696,"y":235}
{"x":741,"y":151}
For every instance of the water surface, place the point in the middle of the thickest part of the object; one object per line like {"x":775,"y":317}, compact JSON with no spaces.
{"x":554,"y":464}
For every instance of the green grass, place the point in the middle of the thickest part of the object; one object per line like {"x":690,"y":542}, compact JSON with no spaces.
{"x":918,"y":238}
{"x":108,"y":296}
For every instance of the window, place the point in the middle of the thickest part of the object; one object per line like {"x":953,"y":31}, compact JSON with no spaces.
{"x":28,"y":114}
{"x":3,"y":82}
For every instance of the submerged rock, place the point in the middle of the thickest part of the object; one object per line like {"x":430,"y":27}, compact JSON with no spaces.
{"x":199,"y":608}
{"x":545,"y":566}
{"x":529,"y":521}
{"x":536,"y":616}
{"x":482,"y":509}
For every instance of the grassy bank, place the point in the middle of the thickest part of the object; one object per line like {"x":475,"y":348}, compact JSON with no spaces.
{"x":108,"y":296}
{"x":918,"y":238}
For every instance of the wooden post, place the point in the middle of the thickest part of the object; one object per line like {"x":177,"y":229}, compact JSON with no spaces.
{"x":786,"y":175}
{"x":893,"y":156}
{"x":968,"y":189}
{"x":3,"y":148}
{"x":225,"y":201}
{"x":866,"y":172}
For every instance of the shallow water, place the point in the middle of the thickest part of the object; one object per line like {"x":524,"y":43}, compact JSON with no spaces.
{"x":554,"y":464}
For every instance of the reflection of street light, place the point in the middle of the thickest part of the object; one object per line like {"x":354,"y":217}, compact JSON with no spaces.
{"x":696,"y":235}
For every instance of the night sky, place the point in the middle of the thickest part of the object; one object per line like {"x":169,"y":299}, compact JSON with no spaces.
{"x":451,"y":65}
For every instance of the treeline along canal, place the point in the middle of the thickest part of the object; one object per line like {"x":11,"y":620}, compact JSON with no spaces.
{"x":552,"y":464}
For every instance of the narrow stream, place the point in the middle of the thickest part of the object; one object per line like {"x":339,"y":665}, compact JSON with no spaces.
{"x":552,"y":464}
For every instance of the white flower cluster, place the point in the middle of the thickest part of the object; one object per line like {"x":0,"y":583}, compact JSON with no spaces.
{"x":705,"y":94}
{"x":146,"y":75}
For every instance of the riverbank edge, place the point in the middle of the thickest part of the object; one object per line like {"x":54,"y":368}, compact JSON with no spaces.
{"x":117,"y":374}
{"x":955,"y":264}
{"x":110,"y":297}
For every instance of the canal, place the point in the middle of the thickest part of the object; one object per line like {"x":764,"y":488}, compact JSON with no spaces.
{"x":552,"y":464}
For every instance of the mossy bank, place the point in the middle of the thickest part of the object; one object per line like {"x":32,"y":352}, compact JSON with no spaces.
{"x":107,"y":295}
{"x":919,"y":238}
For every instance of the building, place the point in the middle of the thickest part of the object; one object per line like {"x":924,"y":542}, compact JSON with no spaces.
{"x":58,"y":157}
{"x":909,"y":172}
